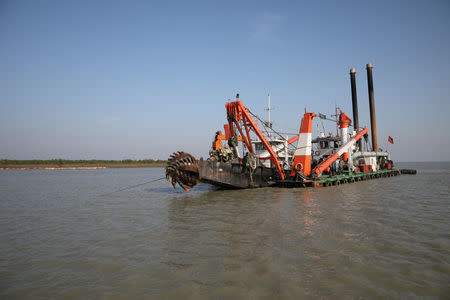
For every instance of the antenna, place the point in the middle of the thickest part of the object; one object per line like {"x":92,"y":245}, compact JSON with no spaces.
{"x":269,"y":124}
{"x":336,"y":116}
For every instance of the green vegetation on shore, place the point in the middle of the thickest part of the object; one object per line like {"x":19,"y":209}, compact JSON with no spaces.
{"x":37,"y":163}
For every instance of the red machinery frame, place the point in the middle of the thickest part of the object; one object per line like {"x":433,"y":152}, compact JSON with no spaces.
{"x":236,"y":111}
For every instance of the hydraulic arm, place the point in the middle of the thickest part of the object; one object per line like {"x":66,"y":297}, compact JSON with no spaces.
{"x":343,"y":149}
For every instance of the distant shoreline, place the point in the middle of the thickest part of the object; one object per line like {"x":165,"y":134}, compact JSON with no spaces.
{"x":60,"y":164}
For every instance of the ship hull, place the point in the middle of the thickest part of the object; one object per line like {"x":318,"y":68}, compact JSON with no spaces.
{"x":230,"y":175}
{"x":237,"y":176}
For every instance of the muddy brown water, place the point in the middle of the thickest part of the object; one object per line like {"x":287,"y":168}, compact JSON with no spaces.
{"x":382,"y":238}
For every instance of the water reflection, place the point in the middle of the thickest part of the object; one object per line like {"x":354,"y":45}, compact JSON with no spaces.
{"x":232,"y":235}
{"x":241,"y":238}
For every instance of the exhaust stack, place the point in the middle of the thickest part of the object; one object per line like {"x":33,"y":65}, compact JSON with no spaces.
{"x":355,"y":105}
{"x":373,"y":121}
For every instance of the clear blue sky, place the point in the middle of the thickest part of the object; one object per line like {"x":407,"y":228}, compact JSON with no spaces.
{"x":141,"y":79}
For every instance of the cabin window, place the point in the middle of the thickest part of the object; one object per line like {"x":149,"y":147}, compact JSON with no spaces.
{"x":323,"y":144}
{"x":260,"y":147}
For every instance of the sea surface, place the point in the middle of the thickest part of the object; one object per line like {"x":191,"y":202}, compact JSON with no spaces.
{"x":62,"y":238}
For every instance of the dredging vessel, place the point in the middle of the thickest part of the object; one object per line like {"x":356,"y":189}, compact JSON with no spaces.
{"x":248,"y":155}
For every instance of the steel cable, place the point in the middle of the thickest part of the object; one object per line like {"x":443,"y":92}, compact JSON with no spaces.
{"x":130,"y":187}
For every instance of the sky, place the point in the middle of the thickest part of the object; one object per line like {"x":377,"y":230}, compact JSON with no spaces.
{"x":142,"y":79}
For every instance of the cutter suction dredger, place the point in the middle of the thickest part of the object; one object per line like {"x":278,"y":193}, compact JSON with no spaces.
{"x":250,"y":154}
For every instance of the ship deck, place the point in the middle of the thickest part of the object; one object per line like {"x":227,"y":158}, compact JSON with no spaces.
{"x":342,"y":178}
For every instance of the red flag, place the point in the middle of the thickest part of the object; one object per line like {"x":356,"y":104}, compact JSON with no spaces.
{"x":391,"y":140}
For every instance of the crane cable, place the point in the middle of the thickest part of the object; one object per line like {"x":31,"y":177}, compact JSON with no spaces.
{"x":262,"y":122}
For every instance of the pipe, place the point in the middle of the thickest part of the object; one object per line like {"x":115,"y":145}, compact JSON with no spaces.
{"x":373,"y":121}
{"x":355,"y":105}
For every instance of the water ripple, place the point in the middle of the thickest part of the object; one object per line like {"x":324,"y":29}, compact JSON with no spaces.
{"x":385,"y":238}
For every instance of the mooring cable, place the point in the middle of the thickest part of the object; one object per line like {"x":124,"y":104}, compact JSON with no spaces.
{"x":130,"y":187}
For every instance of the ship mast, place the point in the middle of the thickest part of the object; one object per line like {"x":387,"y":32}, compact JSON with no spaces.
{"x":269,"y":124}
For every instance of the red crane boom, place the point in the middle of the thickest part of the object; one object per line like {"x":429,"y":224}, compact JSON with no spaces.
{"x":236,"y":111}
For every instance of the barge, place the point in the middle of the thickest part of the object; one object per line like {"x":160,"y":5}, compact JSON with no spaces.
{"x":251,"y":154}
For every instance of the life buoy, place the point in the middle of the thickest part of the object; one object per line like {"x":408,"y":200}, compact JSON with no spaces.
{"x":299,"y":166}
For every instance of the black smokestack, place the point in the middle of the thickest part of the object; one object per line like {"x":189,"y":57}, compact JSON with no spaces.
{"x":355,"y":104}
{"x":373,"y":121}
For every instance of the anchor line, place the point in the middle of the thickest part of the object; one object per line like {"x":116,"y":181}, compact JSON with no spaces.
{"x":130,"y":187}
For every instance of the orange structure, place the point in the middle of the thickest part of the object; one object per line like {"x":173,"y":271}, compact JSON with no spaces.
{"x":237,"y":113}
{"x":344,"y":122}
{"x":217,"y":143}
{"x":302,"y":155}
